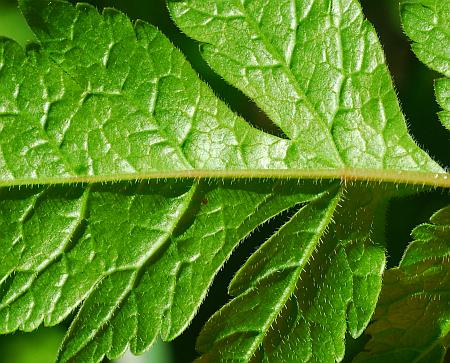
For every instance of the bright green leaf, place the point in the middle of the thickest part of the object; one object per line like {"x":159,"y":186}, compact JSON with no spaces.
{"x":316,"y":68}
{"x":427,"y":23}
{"x":101,"y":99}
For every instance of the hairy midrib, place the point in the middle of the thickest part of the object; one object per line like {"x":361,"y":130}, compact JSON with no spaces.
{"x":404,"y":177}
{"x":417,"y":178}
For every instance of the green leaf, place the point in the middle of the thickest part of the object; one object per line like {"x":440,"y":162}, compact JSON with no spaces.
{"x":412,"y":321}
{"x":89,"y":79}
{"x":174,"y":281}
{"x":427,"y":23}
{"x":118,"y":168}
{"x":318,"y":71}
{"x":310,"y":282}
{"x":135,"y":252}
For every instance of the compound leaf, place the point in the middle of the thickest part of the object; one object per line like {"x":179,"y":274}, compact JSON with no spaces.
{"x":101,"y":99}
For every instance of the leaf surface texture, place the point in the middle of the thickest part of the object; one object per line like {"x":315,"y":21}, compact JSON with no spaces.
{"x":103,"y":98}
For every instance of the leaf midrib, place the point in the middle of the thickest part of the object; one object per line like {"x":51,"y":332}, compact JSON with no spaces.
{"x":401,"y":177}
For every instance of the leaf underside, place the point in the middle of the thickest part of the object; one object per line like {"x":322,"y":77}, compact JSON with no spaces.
{"x":102,"y":97}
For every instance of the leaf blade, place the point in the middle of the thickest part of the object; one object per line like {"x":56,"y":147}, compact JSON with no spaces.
{"x":337,"y":86}
{"x":427,"y":24}
{"x":339,"y":283}
{"x":97,"y":101}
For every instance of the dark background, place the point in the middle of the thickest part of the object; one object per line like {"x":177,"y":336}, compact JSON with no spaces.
{"x":414,"y":83}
